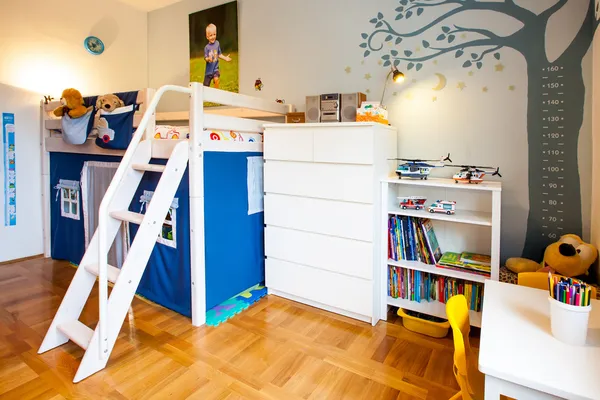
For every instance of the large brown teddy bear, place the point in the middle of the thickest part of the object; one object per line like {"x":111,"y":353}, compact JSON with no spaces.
{"x":570,"y":257}
{"x":72,"y":104}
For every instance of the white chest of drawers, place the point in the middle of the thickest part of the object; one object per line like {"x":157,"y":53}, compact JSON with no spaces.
{"x":322,"y":213}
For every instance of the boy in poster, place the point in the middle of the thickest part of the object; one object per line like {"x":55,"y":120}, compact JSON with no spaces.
{"x":212,"y":54}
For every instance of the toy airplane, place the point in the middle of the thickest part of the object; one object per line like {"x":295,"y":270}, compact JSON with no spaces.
{"x":473,"y":173}
{"x":418,"y":169}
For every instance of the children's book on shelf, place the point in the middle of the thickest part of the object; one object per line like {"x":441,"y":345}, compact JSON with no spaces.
{"x":454,"y":261}
{"x":420,"y":286}
{"x":412,"y":239}
{"x":474,"y":258}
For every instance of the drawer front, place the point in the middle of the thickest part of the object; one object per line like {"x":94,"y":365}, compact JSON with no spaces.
{"x":346,"y":256}
{"x":352,"y":145}
{"x":336,"y":290}
{"x":295,"y":118}
{"x":288,"y":144}
{"x":326,"y":181}
{"x":347,"y":220}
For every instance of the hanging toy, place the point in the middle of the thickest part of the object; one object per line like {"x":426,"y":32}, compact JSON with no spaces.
{"x":258,"y":85}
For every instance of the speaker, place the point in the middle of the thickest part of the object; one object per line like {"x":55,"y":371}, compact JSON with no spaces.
{"x":350,"y":103}
{"x":313,"y":109}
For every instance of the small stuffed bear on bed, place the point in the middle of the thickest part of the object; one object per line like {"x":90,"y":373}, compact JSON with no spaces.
{"x":106,"y":103}
{"x":71,"y":102}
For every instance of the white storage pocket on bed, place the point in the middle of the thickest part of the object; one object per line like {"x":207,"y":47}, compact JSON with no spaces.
{"x":75,"y":130}
{"x":115,"y":129}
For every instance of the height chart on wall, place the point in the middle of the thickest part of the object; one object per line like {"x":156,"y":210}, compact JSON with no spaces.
{"x":10,"y":172}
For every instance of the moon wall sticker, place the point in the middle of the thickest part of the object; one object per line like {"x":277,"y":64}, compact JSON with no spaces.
{"x":442,"y":83}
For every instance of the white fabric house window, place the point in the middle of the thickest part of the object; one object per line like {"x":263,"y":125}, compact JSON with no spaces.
{"x":69,"y":198}
{"x":168,"y":233}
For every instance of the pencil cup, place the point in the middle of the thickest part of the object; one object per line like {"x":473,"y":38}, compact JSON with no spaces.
{"x":569,"y":323}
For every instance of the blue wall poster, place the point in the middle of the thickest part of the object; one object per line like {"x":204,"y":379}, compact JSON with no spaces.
{"x":10,"y":172}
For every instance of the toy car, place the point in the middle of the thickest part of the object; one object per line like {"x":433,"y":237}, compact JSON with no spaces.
{"x":416,"y":202}
{"x":442,"y":206}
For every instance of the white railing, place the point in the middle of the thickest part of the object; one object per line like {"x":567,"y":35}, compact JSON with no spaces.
{"x":104,"y":205}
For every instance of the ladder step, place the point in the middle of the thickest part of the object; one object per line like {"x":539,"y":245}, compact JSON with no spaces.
{"x":112,"y":273}
{"x":128,"y":216}
{"x":148,"y":167}
{"x":79,"y":333}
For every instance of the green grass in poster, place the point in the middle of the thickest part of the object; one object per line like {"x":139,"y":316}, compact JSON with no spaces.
{"x":229,"y":73}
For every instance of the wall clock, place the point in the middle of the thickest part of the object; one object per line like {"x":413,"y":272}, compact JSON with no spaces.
{"x":94,"y":45}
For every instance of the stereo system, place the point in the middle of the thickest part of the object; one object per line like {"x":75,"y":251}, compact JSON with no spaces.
{"x":333,"y":107}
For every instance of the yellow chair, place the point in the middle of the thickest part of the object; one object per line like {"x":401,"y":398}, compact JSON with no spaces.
{"x":470,"y":380}
{"x":539,"y":280}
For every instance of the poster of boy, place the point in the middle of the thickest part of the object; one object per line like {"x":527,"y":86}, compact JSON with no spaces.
{"x":214,"y":47}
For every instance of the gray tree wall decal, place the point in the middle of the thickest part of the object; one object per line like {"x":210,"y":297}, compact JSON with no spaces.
{"x":555,"y":100}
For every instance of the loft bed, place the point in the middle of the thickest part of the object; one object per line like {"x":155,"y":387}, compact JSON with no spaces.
{"x":214,"y":198}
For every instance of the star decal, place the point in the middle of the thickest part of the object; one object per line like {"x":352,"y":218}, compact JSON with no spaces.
{"x":463,"y":36}
{"x":368,"y":91}
{"x":367,"y":76}
{"x":362,"y":62}
{"x":380,"y":62}
{"x":461,"y":86}
{"x":434,"y":99}
{"x":499,"y":67}
{"x":414,"y":81}
{"x":348,"y":70}
{"x":471,"y":73}
{"x":435,"y":62}
{"x":418,"y":49}
{"x":485,"y":89}
{"x":512,"y":88}
{"x":395,"y":94}
{"x":409,"y":96}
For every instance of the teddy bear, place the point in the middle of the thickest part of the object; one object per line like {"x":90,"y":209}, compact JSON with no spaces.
{"x":107,"y":103}
{"x":570,"y":257}
{"x":71,"y":103}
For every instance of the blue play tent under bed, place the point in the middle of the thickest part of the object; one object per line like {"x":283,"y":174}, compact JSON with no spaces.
{"x":234,"y":236}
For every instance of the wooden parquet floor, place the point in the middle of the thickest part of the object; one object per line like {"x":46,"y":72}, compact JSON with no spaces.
{"x":277,"y":349}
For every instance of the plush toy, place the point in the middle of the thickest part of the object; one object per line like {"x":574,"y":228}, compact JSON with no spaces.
{"x":71,"y":103}
{"x":109,"y":102}
{"x":570,"y":256}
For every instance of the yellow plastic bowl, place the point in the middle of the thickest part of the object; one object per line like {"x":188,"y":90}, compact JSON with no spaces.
{"x":423,"y":326}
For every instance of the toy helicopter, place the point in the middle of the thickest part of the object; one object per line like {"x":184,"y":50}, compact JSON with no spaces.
{"x":418,"y":169}
{"x":473,"y":173}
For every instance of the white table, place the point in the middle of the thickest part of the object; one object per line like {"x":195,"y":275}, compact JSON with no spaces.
{"x":519,"y":356}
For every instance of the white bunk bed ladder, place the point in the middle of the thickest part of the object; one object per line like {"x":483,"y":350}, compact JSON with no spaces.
{"x":98,"y":343}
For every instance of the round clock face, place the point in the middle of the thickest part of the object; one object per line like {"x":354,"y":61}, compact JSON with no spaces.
{"x":94,"y":45}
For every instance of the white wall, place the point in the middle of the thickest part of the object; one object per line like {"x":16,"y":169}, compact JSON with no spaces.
{"x":41,"y":48}
{"x":303,"y":48}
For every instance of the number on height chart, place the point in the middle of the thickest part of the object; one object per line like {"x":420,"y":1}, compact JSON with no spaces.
{"x":554,"y":119}
{"x":553,"y":85}
{"x":552,"y":219}
{"x":553,"y":102}
{"x":553,"y":169}
{"x":552,"y":235}
{"x":553,"y":185}
{"x":552,"y":202}
{"x":553,"y":68}
{"x":554,"y":135}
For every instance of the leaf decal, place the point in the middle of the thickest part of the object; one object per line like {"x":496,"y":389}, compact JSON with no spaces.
{"x":420,"y":11}
{"x":467,"y":64}
{"x":399,"y":16}
{"x":451,"y":38}
{"x":408,"y":53}
{"x":378,"y":25}
{"x":398,"y":40}
{"x":479,"y":65}
{"x":459,"y":53}
{"x":367,"y":52}
{"x":388,"y":38}
{"x":379,"y":15}
{"x":404,"y":2}
{"x":387,"y":63}
{"x":363,"y":45}
{"x":385,"y":57}
{"x":410,"y":66}
{"x":497,"y":56}
{"x":445,"y":29}
{"x":374,"y":20}
{"x":364,"y":35}
{"x":394,"y":53}
{"x":441,"y":37}
{"x":419,"y":66}
{"x":396,"y":63}
{"x":400,"y":9}
{"x":425,"y":44}
{"x":409,"y":14}
{"x":474,"y":55}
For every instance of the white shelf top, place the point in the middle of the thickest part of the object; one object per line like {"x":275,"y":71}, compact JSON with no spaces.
{"x":434,"y":308}
{"x":446,"y":183}
{"x":461,"y":216}
{"x":330,"y":125}
{"x":432,"y":269}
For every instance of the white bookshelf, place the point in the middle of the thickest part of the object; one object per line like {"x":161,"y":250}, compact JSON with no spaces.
{"x":474,"y":227}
